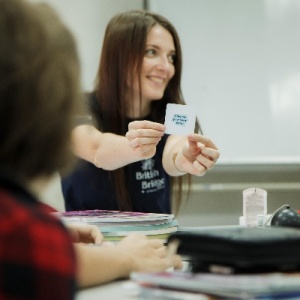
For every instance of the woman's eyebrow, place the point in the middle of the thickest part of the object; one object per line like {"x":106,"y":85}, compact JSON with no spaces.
{"x":173,"y":51}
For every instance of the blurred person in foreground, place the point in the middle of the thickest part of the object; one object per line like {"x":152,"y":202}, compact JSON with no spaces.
{"x":39,"y":96}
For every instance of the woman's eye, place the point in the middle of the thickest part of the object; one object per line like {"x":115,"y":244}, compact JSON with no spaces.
{"x":150,"y":52}
{"x":171,"y":58}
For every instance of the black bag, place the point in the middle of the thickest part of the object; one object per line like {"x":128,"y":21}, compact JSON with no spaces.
{"x":240,"y":249}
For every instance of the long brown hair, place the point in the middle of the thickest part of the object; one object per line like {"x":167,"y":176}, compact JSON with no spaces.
{"x":121,"y":59}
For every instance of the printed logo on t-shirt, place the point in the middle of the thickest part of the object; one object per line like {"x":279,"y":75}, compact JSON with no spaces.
{"x":149,"y":177}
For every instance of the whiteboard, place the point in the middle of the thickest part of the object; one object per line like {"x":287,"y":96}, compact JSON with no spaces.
{"x":241,"y":69}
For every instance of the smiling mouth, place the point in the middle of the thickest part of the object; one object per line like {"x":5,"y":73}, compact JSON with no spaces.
{"x":157,"y":79}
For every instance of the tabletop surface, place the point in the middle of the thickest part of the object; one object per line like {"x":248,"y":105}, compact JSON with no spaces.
{"x":110,"y":291}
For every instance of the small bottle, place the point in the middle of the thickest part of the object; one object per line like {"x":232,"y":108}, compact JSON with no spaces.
{"x":254,"y":205}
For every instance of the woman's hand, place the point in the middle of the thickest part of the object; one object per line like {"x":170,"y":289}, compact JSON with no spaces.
{"x":149,"y":255}
{"x":194,"y":154}
{"x":143,"y":137}
{"x":198,"y":155}
{"x":82,"y":233}
{"x":135,"y":252}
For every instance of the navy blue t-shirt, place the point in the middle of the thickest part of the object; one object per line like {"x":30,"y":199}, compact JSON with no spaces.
{"x":89,"y":187}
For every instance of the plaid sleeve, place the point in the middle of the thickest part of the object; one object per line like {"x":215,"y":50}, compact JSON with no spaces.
{"x":37,"y":259}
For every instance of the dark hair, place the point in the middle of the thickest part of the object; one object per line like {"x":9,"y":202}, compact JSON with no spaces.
{"x":39,"y":89}
{"x":121,"y":59}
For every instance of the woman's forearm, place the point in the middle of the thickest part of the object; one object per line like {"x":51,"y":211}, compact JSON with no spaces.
{"x":105,"y":150}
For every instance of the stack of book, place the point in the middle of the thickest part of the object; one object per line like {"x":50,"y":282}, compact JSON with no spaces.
{"x":114,"y":225}
{"x":186,"y":285}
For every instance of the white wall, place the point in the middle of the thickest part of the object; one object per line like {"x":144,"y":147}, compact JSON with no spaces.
{"x":87,"y":19}
{"x":242,"y":70}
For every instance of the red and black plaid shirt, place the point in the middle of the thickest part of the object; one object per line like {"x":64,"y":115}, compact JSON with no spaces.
{"x":37,"y":259}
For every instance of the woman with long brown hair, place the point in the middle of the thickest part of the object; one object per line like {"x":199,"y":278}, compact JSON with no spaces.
{"x":128,"y":162}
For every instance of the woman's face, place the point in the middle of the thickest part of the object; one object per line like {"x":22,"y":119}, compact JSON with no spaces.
{"x":157,"y":68}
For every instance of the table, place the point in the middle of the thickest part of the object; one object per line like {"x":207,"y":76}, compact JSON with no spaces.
{"x":120,"y":289}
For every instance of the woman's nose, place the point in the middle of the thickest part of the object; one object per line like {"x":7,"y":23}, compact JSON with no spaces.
{"x":164,"y":63}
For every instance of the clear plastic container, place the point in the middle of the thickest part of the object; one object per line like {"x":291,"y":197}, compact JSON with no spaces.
{"x":254,"y":206}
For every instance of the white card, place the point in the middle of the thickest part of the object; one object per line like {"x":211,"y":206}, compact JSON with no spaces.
{"x":180,"y":119}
